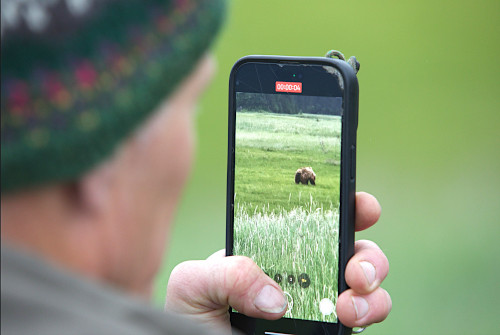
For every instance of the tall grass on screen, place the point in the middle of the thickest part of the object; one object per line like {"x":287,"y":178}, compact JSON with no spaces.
{"x":293,"y":242}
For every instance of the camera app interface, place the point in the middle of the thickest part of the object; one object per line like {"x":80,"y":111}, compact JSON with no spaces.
{"x":287,"y":181}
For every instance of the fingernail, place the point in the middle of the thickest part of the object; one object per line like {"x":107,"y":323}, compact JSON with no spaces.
{"x":360,"y":306}
{"x":270,"y":300}
{"x":369,"y":271}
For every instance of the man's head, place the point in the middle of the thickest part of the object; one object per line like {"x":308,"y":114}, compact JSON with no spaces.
{"x":109,"y":218}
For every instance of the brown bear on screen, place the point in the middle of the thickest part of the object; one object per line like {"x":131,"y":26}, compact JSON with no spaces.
{"x":305,"y":175}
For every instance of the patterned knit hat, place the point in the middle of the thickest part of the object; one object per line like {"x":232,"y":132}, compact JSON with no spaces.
{"x":79,"y":75}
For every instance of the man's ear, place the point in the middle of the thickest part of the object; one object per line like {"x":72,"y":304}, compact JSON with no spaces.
{"x":93,"y":192}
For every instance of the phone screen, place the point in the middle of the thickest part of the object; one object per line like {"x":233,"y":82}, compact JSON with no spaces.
{"x":286,"y":199}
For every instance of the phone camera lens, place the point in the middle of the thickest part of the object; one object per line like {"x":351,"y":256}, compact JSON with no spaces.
{"x":291,"y":279}
{"x":278,"y":278}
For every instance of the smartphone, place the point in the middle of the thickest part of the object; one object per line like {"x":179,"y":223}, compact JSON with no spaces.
{"x":291,"y":183}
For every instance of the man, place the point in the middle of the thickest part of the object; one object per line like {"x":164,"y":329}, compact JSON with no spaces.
{"x":93,"y":164}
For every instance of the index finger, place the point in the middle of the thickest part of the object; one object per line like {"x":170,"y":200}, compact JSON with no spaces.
{"x":367,"y":211}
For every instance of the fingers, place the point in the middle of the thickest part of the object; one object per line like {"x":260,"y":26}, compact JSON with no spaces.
{"x":365,"y":302}
{"x":367,"y":268}
{"x":361,"y":310}
{"x":244,"y":286}
{"x":206,"y":286}
{"x":367,"y":211}
{"x":218,"y":254}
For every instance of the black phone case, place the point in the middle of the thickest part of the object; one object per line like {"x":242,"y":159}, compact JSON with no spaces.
{"x":347,"y":186}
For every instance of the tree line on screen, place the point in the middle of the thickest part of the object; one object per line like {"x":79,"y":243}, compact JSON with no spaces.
{"x":288,"y":103}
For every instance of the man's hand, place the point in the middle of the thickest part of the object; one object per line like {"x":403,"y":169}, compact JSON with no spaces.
{"x":365,"y":302}
{"x":203,"y":290}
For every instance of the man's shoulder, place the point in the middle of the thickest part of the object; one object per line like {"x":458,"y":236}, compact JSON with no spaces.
{"x":39,"y":298}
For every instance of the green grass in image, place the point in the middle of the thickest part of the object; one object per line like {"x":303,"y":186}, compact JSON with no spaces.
{"x":271,"y":147}
{"x":292,"y":243}
{"x":289,"y":229}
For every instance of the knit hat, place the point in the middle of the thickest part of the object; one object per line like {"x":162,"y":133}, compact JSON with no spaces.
{"x":78,"y":76}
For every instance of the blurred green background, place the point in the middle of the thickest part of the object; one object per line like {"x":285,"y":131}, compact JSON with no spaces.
{"x":428,"y":146}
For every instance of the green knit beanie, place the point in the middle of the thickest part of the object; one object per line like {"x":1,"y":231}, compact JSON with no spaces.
{"x":78,"y":76}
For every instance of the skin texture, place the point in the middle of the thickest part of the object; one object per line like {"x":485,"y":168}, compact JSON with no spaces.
{"x":112,"y":225}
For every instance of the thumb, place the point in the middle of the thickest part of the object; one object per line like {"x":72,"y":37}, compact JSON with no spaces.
{"x":206,"y":288}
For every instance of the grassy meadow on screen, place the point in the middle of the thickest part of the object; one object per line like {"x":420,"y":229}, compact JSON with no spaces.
{"x":290,"y":229}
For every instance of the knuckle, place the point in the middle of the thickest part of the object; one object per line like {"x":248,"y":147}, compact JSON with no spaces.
{"x":240,"y":273}
{"x":365,"y":244}
{"x":179,"y":276}
{"x":180,"y":270}
{"x":185,"y":269}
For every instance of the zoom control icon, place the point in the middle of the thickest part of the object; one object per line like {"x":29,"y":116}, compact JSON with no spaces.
{"x":303,"y":280}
